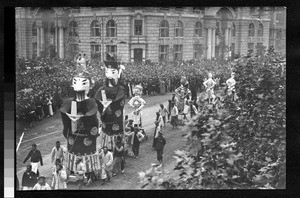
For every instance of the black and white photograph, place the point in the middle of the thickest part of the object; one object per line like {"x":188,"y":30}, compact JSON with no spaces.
{"x":150,"y":98}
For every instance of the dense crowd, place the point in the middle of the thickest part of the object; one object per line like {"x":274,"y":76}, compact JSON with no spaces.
{"x":43,"y":81}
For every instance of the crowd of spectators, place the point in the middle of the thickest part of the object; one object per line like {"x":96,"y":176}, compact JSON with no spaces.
{"x":41,"y":80}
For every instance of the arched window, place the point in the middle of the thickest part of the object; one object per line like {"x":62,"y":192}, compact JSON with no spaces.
{"x":73,"y":29}
{"x":34,"y":29}
{"x":164,"y":29}
{"x":179,"y":29}
{"x":251,"y":29}
{"x":260,"y":31}
{"x":233,"y":29}
{"x":95,"y":28}
{"x":278,"y":38}
{"x":111,"y":29}
{"x":52,"y":28}
{"x":198,"y":29}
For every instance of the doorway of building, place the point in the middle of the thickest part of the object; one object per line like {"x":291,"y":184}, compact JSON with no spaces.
{"x":138,"y":55}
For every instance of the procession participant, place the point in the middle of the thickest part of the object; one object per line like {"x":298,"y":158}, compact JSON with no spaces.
{"x":36,"y":158}
{"x":182,"y":93}
{"x":174,"y":115}
{"x":111,"y":100}
{"x":169,"y":109}
{"x":231,"y":86}
{"x":174,"y":99}
{"x":57,"y":161}
{"x":137,"y":137}
{"x":107,"y":164}
{"x":117,"y":155}
{"x":209,"y":85}
{"x":59,"y":178}
{"x":159,"y":146}
{"x":58,"y":152}
{"x":80,"y":124}
{"x":137,"y":103}
{"x":159,"y":119}
{"x":29,"y":179}
{"x":192,"y":110}
{"x":80,"y":170}
{"x":41,"y":185}
{"x":157,"y":128}
{"x":163,"y":112}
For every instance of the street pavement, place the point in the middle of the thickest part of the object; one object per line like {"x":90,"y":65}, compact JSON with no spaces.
{"x":46,"y":132}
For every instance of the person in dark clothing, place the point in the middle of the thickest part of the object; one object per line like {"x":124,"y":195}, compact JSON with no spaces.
{"x":155,"y":131}
{"x":36,"y":157}
{"x":136,"y":143}
{"x":29,"y":178}
{"x":118,"y":154}
{"x":169,"y":109}
{"x":159,"y":146}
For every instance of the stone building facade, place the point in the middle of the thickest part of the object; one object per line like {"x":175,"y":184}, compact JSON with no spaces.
{"x":142,"y":33}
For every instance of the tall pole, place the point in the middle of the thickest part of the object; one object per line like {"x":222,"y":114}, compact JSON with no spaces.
{"x":102,"y":32}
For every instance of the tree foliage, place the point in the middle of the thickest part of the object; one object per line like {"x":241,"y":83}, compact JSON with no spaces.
{"x":240,"y":146}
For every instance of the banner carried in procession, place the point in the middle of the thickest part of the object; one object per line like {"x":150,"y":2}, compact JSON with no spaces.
{"x":92,"y":162}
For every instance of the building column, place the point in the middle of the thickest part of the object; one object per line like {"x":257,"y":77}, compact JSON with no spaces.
{"x":61,"y":42}
{"x":42,"y":38}
{"x":132,"y":55}
{"x":208,"y":55}
{"x":38,"y":41}
{"x":144,"y":55}
{"x":56,"y":39}
{"x":213,"y":43}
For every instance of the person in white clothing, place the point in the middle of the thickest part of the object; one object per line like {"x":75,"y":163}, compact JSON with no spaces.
{"x":58,"y":152}
{"x":107,"y":164}
{"x":163,"y":112}
{"x":41,"y":185}
{"x":174,"y":115}
{"x":159,"y":119}
{"x":59,"y":178}
{"x":80,"y":171}
{"x":231,"y":86}
{"x":209,"y":85}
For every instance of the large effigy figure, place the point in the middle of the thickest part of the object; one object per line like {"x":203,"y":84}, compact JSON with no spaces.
{"x":111,"y":100}
{"x":137,"y":102}
{"x":182,"y":93}
{"x":80,"y":125}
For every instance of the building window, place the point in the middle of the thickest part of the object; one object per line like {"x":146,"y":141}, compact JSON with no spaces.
{"x":163,"y":52}
{"x":95,"y":29}
{"x":233,"y":29}
{"x":260,"y":31}
{"x":34,"y":50}
{"x":223,"y":31}
{"x":278,"y":38}
{"x":232,"y":49}
{"x":111,"y":29}
{"x":251,"y":30}
{"x":179,"y":29}
{"x":75,"y":10}
{"x":179,"y":8}
{"x":73,"y":29}
{"x":95,"y":51}
{"x":111,"y":52}
{"x":52,"y":28}
{"x":198,"y":51}
{"x":95,"y":8}
{"x":164,"y":29}
{"x":138,"y":27}
{"x":74,"y":48}
{"x":279,"y":18}
{"x":34,"y":29}
{"x":164,"y":8}
{"x":250,"y":48}
{"x":198,"y":29}
{"x":252,"y":10}
{"x":177,"y":52}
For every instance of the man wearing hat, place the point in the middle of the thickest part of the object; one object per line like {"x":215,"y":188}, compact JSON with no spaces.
{"x":36,"y":158}
{"x":231,"y":86}
{"x":111,"y":100}
{"x":41,"y":185}
{"x":159,"y":146}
